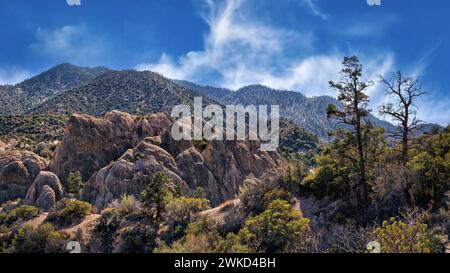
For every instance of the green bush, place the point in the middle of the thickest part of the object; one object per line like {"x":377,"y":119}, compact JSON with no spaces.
{"x":68,"y":212}
{"x":24,"y":213}
{"x":279,"y":228}
{"x":138,"y":239}
{"x":128,"y":205}
{"x":74,"y":184}
{"x":397,"y":236}
{"x":44,"y":239}
{"x":203,"y":236}
{"x":179,"y":213}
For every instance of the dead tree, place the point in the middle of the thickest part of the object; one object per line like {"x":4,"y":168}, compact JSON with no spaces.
{"x":404,"y":92}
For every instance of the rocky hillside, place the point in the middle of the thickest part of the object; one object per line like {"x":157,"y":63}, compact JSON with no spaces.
{"x":28,"y":94}
{"x":117,"y":155}
{"x":26,"y":132}
{"x":129,"y":91}
{"x":306,"y":112}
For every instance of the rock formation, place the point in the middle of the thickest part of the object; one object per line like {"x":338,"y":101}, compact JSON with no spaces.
{"x":130,"y":173}
{"x":45,"y":191}
{"x":220,"y":168}
{"x":18,"y":170}
{"x":90,"y":143}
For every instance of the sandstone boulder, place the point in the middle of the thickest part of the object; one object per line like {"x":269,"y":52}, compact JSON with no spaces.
{"x":151,"y":125}
{"x":45,"y":191}
{"x":129,"y":175}
{"x":90,"y":143}
{"x":224,"y":165}
{"x":119,"y":153}
{"x":18,"y":170}
{"x":47,"y":198}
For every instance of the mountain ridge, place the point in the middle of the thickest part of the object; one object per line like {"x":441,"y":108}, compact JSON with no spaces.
{"x":306,"y":112}
{"x":24,"y":96}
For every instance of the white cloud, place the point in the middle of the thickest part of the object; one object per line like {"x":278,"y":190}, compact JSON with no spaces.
{"x":434,"y":110}
{"x":69,"y":44}
{"x":240,"y":50}
{"x":315,"y":10}
{"x":13,"y":75}
{"x":74,"y":2}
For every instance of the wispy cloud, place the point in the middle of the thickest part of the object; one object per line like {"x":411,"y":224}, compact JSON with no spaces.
{"x":235,"y":49}
{"x":73,"y":2}
{"x":240,"y":50}
{"x":71,"y":43}
{"x":315,"y":9}
{"x":12,"y":75}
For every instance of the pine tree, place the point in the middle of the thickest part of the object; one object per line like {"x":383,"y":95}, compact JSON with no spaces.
{"x":352,"y":95}
{"x":156,"y":193}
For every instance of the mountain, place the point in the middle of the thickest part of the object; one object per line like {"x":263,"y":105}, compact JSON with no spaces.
{"x":24,"y":96}
{"x":214,"y":93}
{"x":306,"y":112}
{"x":59,"y":78}
{"x":129,"y":91}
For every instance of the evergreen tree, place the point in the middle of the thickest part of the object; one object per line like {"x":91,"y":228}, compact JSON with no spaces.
{"x":352,"y":94}
{"x":156,"y":193}
{"x":74,"y":184}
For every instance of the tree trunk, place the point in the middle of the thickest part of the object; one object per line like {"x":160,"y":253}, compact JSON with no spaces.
{"x":405,"y":138}
{"x":363,"y":198}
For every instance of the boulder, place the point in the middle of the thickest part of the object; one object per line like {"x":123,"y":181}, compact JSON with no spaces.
{"x":45,"y":191}
{"x":129,"y":174}
{"x":151,"y":125}
{"x":18,"y":170}
{"x":119,"y":153}
{"x":223,"y":166}
{"x":90,"y":143}
{"x":47,"y":198}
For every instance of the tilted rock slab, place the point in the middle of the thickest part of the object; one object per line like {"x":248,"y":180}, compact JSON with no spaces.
{"x":18,"y":170}
{"x":91,"y":143}
{"x":45,"y":191}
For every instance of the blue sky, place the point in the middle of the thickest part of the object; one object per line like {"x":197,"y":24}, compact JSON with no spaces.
{"x":285,"y":44}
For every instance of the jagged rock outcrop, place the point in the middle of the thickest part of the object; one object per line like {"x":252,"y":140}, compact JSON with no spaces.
{"x":151,"y":125}
{"x":119,"y":153}
{"x":18,"y":170}
{"x":130,"y":174}
{"x":90,"y":143}
{"x":45,"y":191}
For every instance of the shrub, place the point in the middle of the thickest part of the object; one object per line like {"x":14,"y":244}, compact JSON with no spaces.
{"x":128,"y":205}
{"x":278,"y":229}
{"x":203,"y":236}
{"x":24,"y":213}
{"x":68,"y":212}
{"x":277,"y":194}
{"x":252,"y":196}
{"x":409,"y":236}
{"x":138,"y":239}
{"x":44,"y":239}
{"x":178,"y":214}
